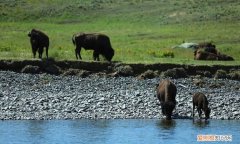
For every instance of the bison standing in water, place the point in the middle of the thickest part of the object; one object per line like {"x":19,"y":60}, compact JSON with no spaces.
{"x":200,"y":100}
{"x":38,"y":41}
{"x":166,"y":94}
{"x":99,"y":43}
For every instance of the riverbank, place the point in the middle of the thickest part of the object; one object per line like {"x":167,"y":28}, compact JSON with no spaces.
{"x":115,"y":69}
{"x":45,"y":96}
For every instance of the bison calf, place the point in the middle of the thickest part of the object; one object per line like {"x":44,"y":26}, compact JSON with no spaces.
{"x":166,"y":94}
{"x":200,"y":100}
{"x":99,"y":43}
{"x":38,"y":41}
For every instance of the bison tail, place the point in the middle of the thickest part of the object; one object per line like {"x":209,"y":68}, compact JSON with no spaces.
{"x":73,"y":40}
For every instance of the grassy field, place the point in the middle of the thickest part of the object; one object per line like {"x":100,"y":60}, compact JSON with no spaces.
{"x":140,"y":31}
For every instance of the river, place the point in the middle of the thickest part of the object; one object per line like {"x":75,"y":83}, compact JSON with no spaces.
{"x":117,"y":131}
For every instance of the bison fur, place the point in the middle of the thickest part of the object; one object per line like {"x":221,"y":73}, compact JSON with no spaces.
{"x":200,"y":101}
{"x":99,"y":43}
{"x":166,"y":94}
{"x":38,"y":41}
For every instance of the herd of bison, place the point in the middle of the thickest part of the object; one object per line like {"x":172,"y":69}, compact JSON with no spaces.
{"x":101,"y":45}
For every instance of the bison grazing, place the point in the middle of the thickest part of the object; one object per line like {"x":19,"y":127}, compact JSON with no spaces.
{"x":166,"y":93}
{"x":202,"y":55}
{"x":200,"y":100}
{"x":99,"y":43}
{"x":38,"y":40}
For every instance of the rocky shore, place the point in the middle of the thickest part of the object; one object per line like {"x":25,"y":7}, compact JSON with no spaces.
{"x":45,"y":96}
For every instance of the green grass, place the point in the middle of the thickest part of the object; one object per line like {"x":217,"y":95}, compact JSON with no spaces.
{"x":140,"y":31}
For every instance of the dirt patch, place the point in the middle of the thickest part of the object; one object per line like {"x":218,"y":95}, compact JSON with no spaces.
{"x":143,"y":71}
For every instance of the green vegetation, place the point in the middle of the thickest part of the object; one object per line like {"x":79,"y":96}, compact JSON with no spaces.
{"x":140,"y":31}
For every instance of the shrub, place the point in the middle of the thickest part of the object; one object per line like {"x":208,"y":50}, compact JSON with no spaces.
{"x":149,"y":74}
{"x":168,"y":54}
{"x":160,"y":54}
{"x":220,"y":74}
{"x":175,"y":73}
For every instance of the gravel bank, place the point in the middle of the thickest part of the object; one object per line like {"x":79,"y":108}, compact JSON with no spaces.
{"x":44,"y":96}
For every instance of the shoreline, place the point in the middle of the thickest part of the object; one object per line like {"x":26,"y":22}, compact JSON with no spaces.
{"x":45,"y":97}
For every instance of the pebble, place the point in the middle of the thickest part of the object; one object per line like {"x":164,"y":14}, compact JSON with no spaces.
{"x":45,"y":97}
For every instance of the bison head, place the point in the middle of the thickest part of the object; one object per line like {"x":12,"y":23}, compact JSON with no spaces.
{"x":29,"y":34}
{"x":109,"y":55}
{"x":167,"y":109}
{"x":207,"y":113}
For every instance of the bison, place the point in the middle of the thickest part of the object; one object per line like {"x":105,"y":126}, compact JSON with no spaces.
{"x":200,"y":100}
{"x":38,"y":41}
{"x":99,"y":43}
{"x":206,"y":45}
{"x":205,"y":55}
{"x":225,"y":57}
{"x":166,"y":94}
{"x":211,"y":50}
{"x":202,"y":55}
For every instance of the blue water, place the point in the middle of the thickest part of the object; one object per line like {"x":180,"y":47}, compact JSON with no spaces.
{"x":114,"y":131}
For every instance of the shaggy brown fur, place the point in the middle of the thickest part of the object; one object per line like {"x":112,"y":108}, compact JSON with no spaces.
{"x":166,"y":94}
{"x":206,"y":45}
{"x":212,"y":50}
{"x":201,"y":55}
{"x":200,"y":100}
{"x":38,"y":41}
{"x":99,"y":43}
{"x":224,"y":57}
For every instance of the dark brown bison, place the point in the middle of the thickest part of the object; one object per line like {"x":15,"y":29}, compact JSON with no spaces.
{"x":200,"y":100}
{"x":211,"y":50}
{"x":224,"y":57}
{"x":166,"y":94}
{"x":206,"y":45}
{"x":99,"y":43}
{"x":38,"y":41}
{"x":202,"y":55}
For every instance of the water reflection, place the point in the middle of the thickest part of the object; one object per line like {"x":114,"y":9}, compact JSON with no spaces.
{"x":167,"y":128}
{"x":167,"y":124}
{"x":35,"y":127}
{"x":201,"y":123}
{"x":97,"y":130}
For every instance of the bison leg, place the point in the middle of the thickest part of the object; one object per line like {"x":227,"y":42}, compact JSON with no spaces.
{"x":193,"y":111}
{"x":34,"y":53}
{"x":163,"y":108}
{"x":199,"y":113}
{"x":40,"y":51}
{"x":34,"y":50}
{"x":77,"y":52}
{"x":96,"y":55}
{"x":47,"y":52}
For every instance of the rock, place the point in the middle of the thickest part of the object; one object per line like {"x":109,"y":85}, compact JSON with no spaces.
{"x":234,"y":75}
{"x":71,"y":72}
{"x":149,"y":74}
{"x":220,"y":74}
{"x":123,"y":70}
{"x":31,"y":69}
{"x":175,"y":73}
{"x":236,"y":113}
{"x":52,"y":69}
{"x":45,"y":96}
{"x":199,"y":82}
